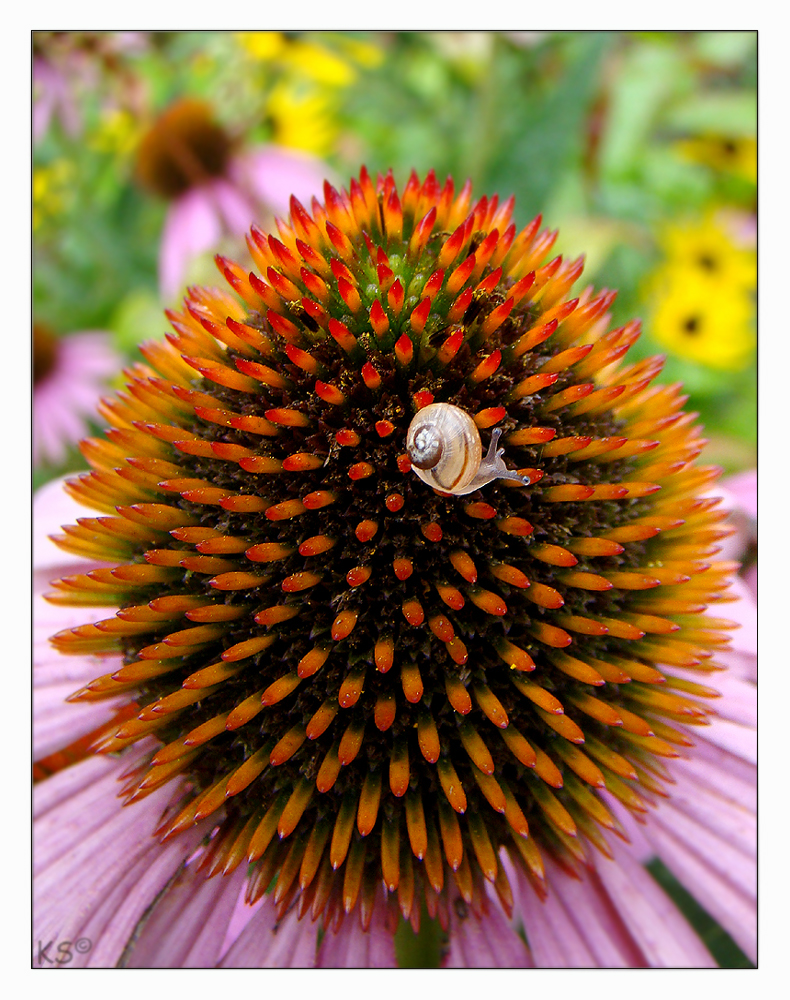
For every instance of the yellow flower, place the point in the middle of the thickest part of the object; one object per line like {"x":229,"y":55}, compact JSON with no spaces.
{"x":310,"y":60}
{"x":262,"y":45}
{"x":701,"y":319}
{"x":51,"y":189}
{"x":302,"y":119}
{"x":729,"y":154}
{"x":319,"y":64}
{"x":116,"y":134}
{"x":704,"y":247}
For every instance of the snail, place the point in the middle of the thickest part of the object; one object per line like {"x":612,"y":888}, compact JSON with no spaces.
{"x":445,"y":451}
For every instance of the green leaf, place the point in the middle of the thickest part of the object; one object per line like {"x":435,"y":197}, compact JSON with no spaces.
{"x":651,"y":75}
{"x":542,"y":120}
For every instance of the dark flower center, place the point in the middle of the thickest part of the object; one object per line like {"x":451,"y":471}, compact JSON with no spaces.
{"x":45,"y":352}
{"x":708,"y":262}
{"x":691,"y":326}
{"x":184,"y":148}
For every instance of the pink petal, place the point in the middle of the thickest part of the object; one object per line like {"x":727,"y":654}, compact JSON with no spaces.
{"x":68,"y":783}
{"x":57,"y":722}
{"x":236,"y":210}
{"x":490,"y":943}
{"x":734,"y":863}
{"x":718,"y":812}
{"x":744,"y":612}
{"x":275,"y":173}
{"x":738,"y":740}
{"x":658,"y":927}
{"x":553,"y":939}
{"x":188,"y":924}
{"x":738,"y":702}
{"x":243,"y":912}
{"x":587,"y":906}
{"x":80,"y":869}
{"x":615,"y":916}
{"x":352,"y":948}
{"x":734,"y":910}
{"x":266,"y":944}
{"x":719,"y":760}
{"x":112,"y":925}
{"x":744,"y":488}
{"x":738,"y":497}
{"x":55,"y":423}
{"x":52,"y":508}
{"x":70,"y":392}
{"x":89,"y":353}
{"x":192,"y":227}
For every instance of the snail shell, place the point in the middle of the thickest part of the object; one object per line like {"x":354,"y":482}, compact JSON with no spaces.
{"x":445,"y":451}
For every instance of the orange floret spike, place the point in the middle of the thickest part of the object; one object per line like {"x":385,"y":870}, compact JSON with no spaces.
{"x":343,"y":625}
{"x":395,"y":296}
{"x":428,"y":737}
{"x":491,"y":705}
{"x":448,"y":350}
{"x":350,"y":742}
{"x":311,"y":662}
{"x":342,"y":335}
{"x":497,"y":317}
{"x":392,"y":216}
{"x":487,"y":367}
{"x":464,"y":565}
{"x":421,"y":233}
{"x":419,"y":316}
{"x":384,"y":655}
{"x":458,"y":309}
{"x":451,"y":785}
{"x":457,"y":694}
{"x":368,"y":808}
{"x":330,"y":394}
{"x":385,"y":711}
{"x":404,"y":350}
{"x":411,"y":682}
{"x":378,"y":319}
{"x":390,"y":854}
{"x":451,"y":836}
{"x":399,"y":769}
{"x":321,"y":720}
{"x":357,"y":576}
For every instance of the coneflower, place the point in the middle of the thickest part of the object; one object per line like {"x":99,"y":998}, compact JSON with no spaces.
{"x":69,"y":374}
{"x":357,"y":680}
{"x":213,"y":182}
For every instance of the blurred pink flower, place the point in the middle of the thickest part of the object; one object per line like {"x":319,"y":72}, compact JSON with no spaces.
{"x":101,"y":875}
{"x":69,"y":373}
{"x":215,"y":187}
{"x":739,"y":494}
{"x":69,"y":64}
{"x":256,"y":183}
{"x":52,"y":98}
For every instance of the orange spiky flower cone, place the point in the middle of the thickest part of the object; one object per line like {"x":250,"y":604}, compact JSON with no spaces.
{"x":357,"y":677}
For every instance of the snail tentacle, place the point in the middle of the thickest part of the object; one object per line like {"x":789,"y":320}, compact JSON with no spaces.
{"x":444,"y":446}
{"x":492,"y":466}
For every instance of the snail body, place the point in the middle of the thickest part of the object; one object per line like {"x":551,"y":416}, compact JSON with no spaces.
{"x":445,"y":450}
